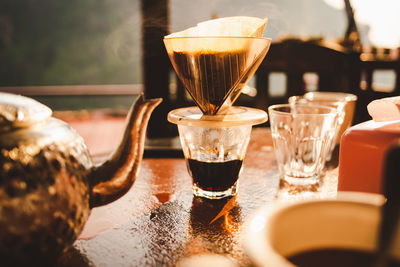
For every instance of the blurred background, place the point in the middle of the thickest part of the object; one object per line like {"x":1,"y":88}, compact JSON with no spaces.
{"x":99,"y":54}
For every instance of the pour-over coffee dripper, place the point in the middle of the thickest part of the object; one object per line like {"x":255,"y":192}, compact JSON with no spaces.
{"x":214,"y":70}
{"x":214,"y":140}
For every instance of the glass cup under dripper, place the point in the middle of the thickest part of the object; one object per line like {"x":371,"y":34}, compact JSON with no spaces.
{"x":214,"y":136}
{"x":215,"y":146}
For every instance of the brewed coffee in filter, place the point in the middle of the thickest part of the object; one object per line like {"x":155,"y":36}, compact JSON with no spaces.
{"x":215,"y":59}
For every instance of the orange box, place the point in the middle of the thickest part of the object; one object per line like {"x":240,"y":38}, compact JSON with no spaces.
{"x":362,"y":153}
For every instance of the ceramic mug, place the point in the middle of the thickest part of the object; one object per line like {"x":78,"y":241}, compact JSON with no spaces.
{"x":348,"y":222}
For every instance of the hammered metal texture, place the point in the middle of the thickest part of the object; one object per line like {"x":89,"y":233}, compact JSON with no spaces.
{"x":48,"y":183}
{"x":43,"y":192}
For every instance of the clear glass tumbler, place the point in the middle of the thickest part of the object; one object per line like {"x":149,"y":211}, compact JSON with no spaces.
{"x":302,"y":134}
{"x":215,"y":146}
{"x":343,"y":102}
{"x":214,"y":157}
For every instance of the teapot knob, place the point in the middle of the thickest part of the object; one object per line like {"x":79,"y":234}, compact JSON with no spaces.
{"x":17,"y":111}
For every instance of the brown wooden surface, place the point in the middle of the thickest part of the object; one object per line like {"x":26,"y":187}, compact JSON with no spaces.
{"x":158,"y":222}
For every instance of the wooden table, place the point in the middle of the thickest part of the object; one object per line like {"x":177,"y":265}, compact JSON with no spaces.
{"x":159,"y":222}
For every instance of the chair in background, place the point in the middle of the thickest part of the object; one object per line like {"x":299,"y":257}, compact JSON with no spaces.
{"x":294,"y":67}
{"x":380,"y":72}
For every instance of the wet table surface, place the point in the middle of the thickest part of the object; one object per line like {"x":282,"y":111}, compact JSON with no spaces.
{"x":159,"y":222}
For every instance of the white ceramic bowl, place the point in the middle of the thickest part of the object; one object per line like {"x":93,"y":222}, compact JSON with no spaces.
{"x":349,"y":221}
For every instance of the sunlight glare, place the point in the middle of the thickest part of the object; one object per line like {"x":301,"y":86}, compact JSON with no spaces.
{"x":381,"y":16}
{"x":257,"y":224}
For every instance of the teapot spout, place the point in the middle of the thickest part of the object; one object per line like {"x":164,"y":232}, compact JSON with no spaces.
{"x":115,"y":176}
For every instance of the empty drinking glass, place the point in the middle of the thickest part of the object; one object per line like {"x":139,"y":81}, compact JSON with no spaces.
{"x":301,"y":134}
{"x":343,"y":102}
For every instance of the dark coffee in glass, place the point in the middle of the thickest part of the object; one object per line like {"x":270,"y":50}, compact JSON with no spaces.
{"x":214,"y":176}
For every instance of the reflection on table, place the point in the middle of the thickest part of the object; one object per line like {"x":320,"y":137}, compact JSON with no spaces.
{"x":159,"y":223}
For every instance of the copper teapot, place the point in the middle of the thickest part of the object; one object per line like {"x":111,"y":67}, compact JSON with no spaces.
{"x":48,"y":183}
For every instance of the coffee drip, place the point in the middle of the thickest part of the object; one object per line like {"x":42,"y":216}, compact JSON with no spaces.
{"x":216,"y":72}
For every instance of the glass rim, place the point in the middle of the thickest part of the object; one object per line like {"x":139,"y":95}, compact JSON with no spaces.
{"x":341,"y":96}
{"x":273,"y":109}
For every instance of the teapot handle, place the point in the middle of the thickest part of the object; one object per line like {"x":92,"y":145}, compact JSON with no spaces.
{"x":113,"y":178}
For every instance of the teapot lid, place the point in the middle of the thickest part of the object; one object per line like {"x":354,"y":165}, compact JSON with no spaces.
{"x":18,"y":111}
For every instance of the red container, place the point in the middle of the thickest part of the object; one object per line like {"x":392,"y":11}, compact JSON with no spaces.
{"x":362,"y":151}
